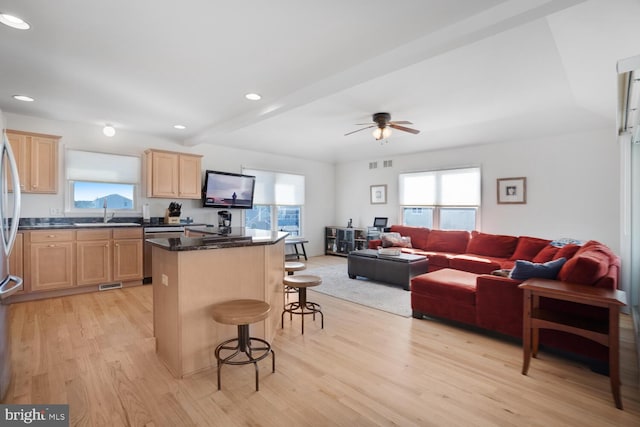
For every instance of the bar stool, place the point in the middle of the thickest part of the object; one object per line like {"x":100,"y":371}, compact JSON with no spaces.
{"x":301,"y":283}
{"x":290,"y":267}
{"x":242,"y":312}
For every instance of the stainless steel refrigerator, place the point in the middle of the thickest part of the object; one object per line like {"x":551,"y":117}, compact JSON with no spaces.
{"x":9,"y":217}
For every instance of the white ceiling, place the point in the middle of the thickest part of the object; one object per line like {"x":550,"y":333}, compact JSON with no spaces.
{"x":463,"y":71}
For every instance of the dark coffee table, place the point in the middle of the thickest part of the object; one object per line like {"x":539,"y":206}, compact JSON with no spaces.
{"x":394,"y":269}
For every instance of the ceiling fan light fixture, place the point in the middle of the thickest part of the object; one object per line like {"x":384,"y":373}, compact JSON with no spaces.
{"x":14,"y":22}
{"x":109,"y":131}
{"x":23,"y":98}
{"x":382,"y":133}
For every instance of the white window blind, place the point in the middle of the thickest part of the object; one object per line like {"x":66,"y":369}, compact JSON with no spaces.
{"x":276,"y":188}
{"x":102,"y":167}
{"x":453,"y":187}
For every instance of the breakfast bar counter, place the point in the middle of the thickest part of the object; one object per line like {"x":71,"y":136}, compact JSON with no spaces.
{"x":190,"y":274}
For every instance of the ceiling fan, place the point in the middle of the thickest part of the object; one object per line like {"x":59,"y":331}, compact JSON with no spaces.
{"x":383,"y":124}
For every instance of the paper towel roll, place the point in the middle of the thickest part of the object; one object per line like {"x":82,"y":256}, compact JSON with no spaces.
{"x":145,"y":212}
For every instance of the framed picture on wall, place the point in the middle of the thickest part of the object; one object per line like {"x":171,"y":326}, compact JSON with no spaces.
{"x":512,"y":190}
{"x":378,"y":194}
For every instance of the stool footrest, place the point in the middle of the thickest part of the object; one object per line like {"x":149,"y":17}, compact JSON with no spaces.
{"x":243,"y":345}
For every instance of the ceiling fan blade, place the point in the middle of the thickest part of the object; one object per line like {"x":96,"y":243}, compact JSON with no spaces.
{"x":400,"y":122}
{"x":368,"y":127}
{"x":404,"y":129}
{"x":363,"y":124}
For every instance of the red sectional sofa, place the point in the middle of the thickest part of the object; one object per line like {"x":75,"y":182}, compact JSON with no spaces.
{"x":460,"y":287}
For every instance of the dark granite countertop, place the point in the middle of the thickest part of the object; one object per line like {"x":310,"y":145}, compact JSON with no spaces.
{"x":230,"y":238}
{"x":27,"y":224}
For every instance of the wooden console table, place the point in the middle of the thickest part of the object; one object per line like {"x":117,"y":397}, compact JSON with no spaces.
{"x":605,"y":334}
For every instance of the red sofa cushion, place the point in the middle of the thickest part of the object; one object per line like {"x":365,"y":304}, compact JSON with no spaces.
{"x":546,"y":254}
{"x":494,"y":245}
{"x":474,"y":264}
{"x":437,"y":260}
{"x":585,"y":268}
{"x":418,"y":235}
{"x":448,"y":284}
{"x":567,"y":251}
{"x":453,"y":241}
{"x":528,"y":248}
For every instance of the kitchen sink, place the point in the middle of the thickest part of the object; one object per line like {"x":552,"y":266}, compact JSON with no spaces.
{"x":106,"y":224}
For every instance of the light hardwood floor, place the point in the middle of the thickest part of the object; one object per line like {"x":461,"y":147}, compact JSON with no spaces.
{"x":367,"y":367}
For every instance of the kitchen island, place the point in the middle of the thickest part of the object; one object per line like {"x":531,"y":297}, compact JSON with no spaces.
{"x":190,"y":274}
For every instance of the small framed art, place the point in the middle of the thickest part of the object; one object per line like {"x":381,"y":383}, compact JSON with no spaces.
{"x":512,"y":190}
{"x":378,"y":194}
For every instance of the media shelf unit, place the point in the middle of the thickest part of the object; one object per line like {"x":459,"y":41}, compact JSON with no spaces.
{"x":342,"y":240}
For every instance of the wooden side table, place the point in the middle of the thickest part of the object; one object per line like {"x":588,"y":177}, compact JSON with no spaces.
{"x":605,"y":334}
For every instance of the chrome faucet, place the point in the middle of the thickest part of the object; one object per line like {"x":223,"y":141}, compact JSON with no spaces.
{"x":104,"y":205}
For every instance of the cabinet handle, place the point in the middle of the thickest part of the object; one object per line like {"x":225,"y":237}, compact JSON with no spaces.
{"x":51,"y":236}
{"x":52,"y":246}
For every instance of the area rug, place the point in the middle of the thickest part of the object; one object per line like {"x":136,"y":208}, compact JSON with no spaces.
{"x":381,"y":296}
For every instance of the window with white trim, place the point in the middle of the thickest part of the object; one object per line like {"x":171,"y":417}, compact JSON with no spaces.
{"x":98,"y":180}
{"x":277,"y":202}
{"x":444,"y":199}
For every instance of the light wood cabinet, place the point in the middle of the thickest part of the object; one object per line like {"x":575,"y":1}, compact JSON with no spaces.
{"x":68,"y":259}
{"x":37,"y":159}
{"x":93,"y":257}
{"x":127,"y":254}
{"x":108,"y":255}
{"x":173,"y":175}
{"x":16,"y":258}
{"x":51,"y":260}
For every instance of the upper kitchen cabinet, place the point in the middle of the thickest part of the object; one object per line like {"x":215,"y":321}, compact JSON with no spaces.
{"x":173,"y":175}
{"x":37,"y":159}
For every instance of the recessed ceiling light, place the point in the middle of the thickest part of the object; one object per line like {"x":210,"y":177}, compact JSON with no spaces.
{"x":253,"y":96}
{"x":14,"y":22}
{"x":109,"y":131}
{"x":181,"y":127}
{"x":24,"y":98}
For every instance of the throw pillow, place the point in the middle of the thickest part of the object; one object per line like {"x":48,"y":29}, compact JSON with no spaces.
{"x":546,"y":254}
{"x":586,"y":268}
{"x":567,"y":251}
{"x":528,"y":248}
{"x":524,"y":270}
{"x":395,"y":239}
{"x":493,"y":245}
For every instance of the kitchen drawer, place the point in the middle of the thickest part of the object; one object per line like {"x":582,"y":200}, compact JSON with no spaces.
{"x":102,"y":234}
{"x":51,"y":236}
{"x":127,"y":233}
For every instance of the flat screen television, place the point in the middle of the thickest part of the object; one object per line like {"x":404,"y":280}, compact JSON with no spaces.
{"x":228,"y":190}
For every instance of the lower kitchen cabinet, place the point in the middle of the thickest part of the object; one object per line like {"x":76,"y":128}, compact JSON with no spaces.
{"x":67,"y":260}
{"x":127,"y":254}
{"x":51,"y":260}
{"x":93,"y":259}
{"x":16,"y":258}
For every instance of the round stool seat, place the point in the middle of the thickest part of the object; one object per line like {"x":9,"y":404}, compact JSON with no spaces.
{"x":302,"y":307}
{"x":294,"y":266}
{"x":240,"y":312}
{"x":302,"y":281}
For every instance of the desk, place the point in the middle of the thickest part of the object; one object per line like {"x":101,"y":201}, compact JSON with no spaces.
{"x":295,"y":241}
{"x":607,"y":335}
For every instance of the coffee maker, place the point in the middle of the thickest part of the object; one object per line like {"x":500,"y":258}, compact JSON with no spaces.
{"x":224,"y":219}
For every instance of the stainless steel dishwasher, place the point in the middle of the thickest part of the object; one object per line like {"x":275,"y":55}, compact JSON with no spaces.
{"x":157,"y":232}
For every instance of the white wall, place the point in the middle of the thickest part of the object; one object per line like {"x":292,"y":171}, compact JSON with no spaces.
{"x":572,"y":186}
{"x":319,"y":206}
